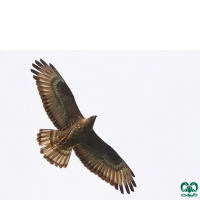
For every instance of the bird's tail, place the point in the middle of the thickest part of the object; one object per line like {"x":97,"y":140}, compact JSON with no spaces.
{"x":53,"y":153}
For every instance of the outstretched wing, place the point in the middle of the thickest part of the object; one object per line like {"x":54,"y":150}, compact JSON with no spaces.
{"x":57,"y":98}
{"x":103,"y":160}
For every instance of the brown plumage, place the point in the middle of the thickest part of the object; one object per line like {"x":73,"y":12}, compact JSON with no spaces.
{"x":75,"y":132}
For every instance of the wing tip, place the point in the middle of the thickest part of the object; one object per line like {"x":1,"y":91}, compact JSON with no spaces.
{"x":121,"y":189}
{"x":127,"y":189}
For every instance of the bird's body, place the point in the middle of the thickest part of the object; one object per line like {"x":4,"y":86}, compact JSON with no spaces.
{"x":75,"y":132}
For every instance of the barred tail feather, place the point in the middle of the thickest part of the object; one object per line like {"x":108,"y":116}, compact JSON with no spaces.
{"x":49,"y":139}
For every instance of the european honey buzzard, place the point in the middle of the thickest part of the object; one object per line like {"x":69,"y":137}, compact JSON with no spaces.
{"x":75,"y":132}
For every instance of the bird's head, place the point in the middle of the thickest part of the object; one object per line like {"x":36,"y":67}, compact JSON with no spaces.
{"x":90,"y":121}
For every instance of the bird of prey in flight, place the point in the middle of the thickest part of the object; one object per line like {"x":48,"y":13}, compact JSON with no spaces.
{"x":75,"y":132}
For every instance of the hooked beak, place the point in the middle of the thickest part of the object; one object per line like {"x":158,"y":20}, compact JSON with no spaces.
{"x":92,"y":120}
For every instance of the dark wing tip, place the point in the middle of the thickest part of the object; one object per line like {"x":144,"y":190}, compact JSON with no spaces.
{"x":42,"y":61}
{"x":116,"y":186}
{"x":131,"y":187}
{"x":38,"y":63}
{"x":127,"y":189}
{"x":134,"y":183}
{"x":35,"y":72}
{"x":121,"y":189}
{"x":132,"y":174}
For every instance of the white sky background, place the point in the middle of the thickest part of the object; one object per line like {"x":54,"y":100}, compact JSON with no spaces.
{"x":148,"y":107}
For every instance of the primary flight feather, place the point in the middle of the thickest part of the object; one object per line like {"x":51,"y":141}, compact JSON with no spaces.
{"x":75,"y":132}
